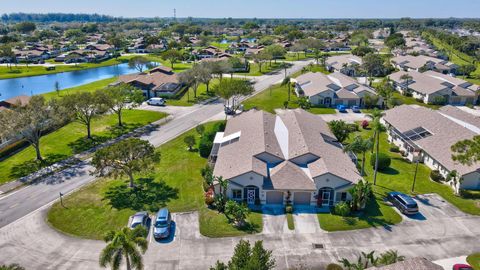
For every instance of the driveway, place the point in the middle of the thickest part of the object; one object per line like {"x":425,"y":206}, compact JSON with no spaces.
{"x":274,"y":220}
{"x":444,"y":232}
{"x":349,"y":117}
{"x":306,"y":221}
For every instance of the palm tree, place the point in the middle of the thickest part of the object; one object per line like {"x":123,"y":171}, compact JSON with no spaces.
{"x":378,"y":128}
{"x":124,"y":244}
{"x":360,"y":145}
{"x":376,"y":113}
{"x":287,"y":82}
{"x":390,"y":257}
{"x":406,"y":80}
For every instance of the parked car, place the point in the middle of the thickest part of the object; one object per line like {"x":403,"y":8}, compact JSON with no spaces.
{"x":140,"y":218}
{"x":162,"y":224}
{"x":355,"y":109}
{"x":462,"y":267}
{"x":403,"y":202}
{"x":156,"y":101}
{"x":342,"y":108}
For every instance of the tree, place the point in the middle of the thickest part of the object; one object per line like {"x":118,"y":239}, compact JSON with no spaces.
{"x":465,"y":70}
{"x":467,"y":152}
{"x":219,"y":68}
{"x":276,"y":51}
{"x":386,"y":91}
{"x":245,"y":258}
{"x":25,"y":27}
{"x":340,"y":129}
{"x":287,"y":82}
{"x":377,"y":128}
{"x":238,"y":212}
{"x":11,"y":267}
{"x":406,"y":78}
{"x":57,"y":88}
{"x":30,"y":121}
{"x":189,"y":141}
{"x":390,"y":257}
{"x":6,"y":52}
{"x":373,"y":65}
{"x":361,"y":194}
{"x":262,"y":57}
{"x":83,"y":107}
{"x":172,"y":55}
{"x":138,"y":62}
{"x":126,"y":157}
{"x":453,"y":176}
{"x":205,"y":74}
{"x":115,"y":98}
{"x":360,"y":145}
{"x":376,"y":113}
{"x":200,"y":129}
{"x":395,"y":40}
{"x":233,"y":90}
{"x":124,"y":244}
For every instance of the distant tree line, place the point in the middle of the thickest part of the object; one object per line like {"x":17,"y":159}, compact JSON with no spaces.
{"x":56,"y":17}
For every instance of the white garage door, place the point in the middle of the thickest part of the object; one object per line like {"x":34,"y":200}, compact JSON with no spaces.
{"x":301,"y":198}
{"x":274,"y":197}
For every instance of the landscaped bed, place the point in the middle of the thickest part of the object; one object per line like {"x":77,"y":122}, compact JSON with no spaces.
{"x":178,"y":184}
{"x":69,"y":139}
{"x":474,"y":261}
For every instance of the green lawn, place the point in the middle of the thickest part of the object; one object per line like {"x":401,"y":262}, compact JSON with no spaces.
{"x":290,"y":223}
{"x":89,"y":87}
{"x":412,"y":101}
{"x":274,"y":97}
{"x":177,"y":67}
{"x":67,"y":140}
{"x":187,"y":97}
{"x":266,"y":68}
{"x":474,"y":261}
{"x":214,"y":224}
{"x":88,"y":215}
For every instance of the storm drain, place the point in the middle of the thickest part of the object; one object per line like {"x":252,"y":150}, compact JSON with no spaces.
{"x":318,"y":246}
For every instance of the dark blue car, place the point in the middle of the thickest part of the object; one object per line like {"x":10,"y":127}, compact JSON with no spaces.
{"x":342,"y":108}
{"x":403,"y":202}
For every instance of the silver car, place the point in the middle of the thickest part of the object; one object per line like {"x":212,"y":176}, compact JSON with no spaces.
{"x":140,"y":218}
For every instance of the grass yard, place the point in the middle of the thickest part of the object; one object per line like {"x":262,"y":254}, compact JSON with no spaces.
{"x":69,"y":139}
{"x":89,"y":215}
{"x":274,"y":97}
{"x":474,"y":261}
{"x":266,"y":68}
{"x":187,"y":98}
{"x":214,"y":224}
{"x":290,"y":223}
{"x":89,"y":87}
{"x":412,"y":101}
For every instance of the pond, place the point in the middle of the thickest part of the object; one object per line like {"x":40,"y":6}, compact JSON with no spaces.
{"x":46,"y":83}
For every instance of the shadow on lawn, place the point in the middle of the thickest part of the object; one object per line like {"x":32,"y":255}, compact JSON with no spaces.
{"x":146,"y":195}
{"x":117,"y":130}
{"x":33,"y":165}
{"x":371,"y":215}
{"x":248,"y":227}
{"x":84,"y":144}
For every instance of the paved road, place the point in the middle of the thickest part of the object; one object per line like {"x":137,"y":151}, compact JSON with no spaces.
{"x":18,"y":204}
{"x":441,"y":231}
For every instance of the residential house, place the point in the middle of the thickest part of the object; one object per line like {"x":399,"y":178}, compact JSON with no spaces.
{"x":333,"y":89}
{"x":344,"y":63}
{"x":426,"y":136}
{"x":208,"y":52}
{"x":434,"y":87}
{"x":158,"y":82}
{"x":33,"y":55}
{"x":21,"y":100}
{"x":422,"y":62}
{"x":288,"y":157}
{"x":381,"y":33}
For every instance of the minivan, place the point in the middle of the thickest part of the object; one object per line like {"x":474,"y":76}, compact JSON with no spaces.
{"x":156,"y":101}
{"x":403,"y":202}
{"x":161,"y":228}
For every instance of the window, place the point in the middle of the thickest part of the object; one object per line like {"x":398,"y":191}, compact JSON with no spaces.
{"x":343,"y":196}
{"x":236,"y":194}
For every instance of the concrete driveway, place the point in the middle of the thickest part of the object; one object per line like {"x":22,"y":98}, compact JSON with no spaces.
{"x":306,"y":221}
{"x":274,"y":220}
{"x":349,"y":116}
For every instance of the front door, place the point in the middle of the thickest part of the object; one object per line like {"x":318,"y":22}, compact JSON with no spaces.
{"x":325,"y":198}
{"x":251,"y":196}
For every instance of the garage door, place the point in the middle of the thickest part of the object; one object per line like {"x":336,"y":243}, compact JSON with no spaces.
{"x":274,"y":197}
{"x":301,"y":198}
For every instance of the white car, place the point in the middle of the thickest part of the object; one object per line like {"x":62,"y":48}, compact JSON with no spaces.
{"x":156,"y":101}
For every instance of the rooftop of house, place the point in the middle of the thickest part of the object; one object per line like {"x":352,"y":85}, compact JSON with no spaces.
{"x":419,"y":61}
{"x":337,"y":61}
{"x":287,"y":138}
{"x":410,"y":264}
{"x":157,"y":78}
{"x":445,"y":127}
{"x":314,"y":83}
{"x":430,"y":82}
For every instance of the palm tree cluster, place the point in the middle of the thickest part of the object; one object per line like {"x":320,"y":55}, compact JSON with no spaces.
{"x":366,"y":260}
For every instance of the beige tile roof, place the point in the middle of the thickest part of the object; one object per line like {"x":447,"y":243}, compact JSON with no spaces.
{"x":417,"y":61}
{"x":461,"y":115}
{"x":445,"y":132}
{"x":307,"y":134}
{"x":337,"y":61}
{"x":156,"y":77}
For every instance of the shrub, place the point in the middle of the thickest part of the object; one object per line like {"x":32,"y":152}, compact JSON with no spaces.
{"x":384,"y":161}
{"x":13,"y":148}
{"x":394,"y":149}
{"x":334,"y":266}
{"x":205,"y":147}
{"x":342,"y":209}
{"x":439,"y":100}
{"x":288,"y":209}
{"x":209,"y":200}
{"x":436,"y":176}
{"x":365,"y":124}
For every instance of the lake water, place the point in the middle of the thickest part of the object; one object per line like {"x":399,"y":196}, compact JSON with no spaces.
{"x":46,"y":83}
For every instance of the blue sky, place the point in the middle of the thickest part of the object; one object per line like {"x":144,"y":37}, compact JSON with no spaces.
{"x":254,"y":8}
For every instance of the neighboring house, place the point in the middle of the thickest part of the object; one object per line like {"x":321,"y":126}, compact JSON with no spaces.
{"x":21,"y":100}
{"x":333,"y":89}
{"x":33,"y":55}
{"x":426,"y":135}
{"x":345,"y":63}
{"x":157,"y":82}
{"x":208,"y":52}
{"x":381,"y":33}
{"x":100,"y":47}
{"x":288,"y":157}
{"x":417,"y":63}
{"x":432,"y":87}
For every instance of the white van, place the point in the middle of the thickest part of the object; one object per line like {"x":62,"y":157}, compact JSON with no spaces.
{"x":157,"y":101}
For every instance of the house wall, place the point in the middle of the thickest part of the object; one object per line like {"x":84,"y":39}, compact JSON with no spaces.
{"x":332,"y":181}
{"x":471,"y":181}
{"x":248,"y":179}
